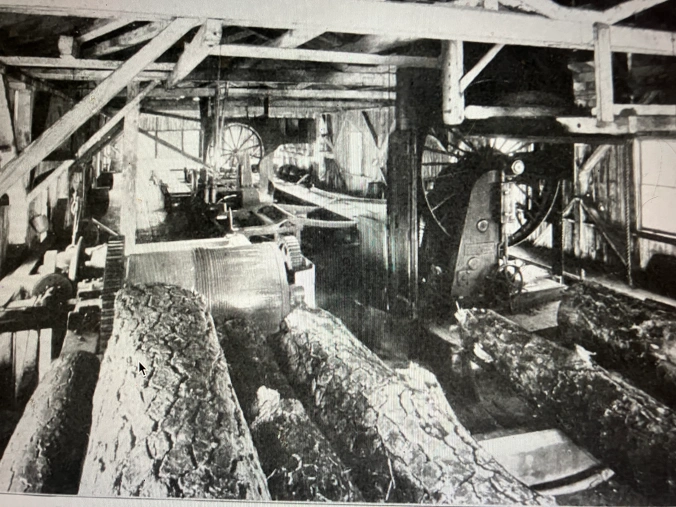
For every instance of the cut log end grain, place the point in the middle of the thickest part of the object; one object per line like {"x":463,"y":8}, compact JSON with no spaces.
{"x":48,"y":446}
{"x":297,"y":458}
{"x":403,"y":441}
{"x":178,"y":431}
{"x":633,"y":337}
{"x":627,"y":429}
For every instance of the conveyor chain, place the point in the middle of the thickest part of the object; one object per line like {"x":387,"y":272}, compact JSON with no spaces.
{"x":112,"y":282}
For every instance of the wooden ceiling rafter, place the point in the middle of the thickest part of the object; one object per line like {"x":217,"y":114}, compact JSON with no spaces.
{"x":94,"y":102}
{"x":432,"y":21}
{"x":125,"y":40}
{"x":102,"y":27}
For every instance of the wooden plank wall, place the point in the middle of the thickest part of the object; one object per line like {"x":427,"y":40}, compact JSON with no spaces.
{"x":361,"y":156}
{"x":607,"y":189}
{"x":25,"y":357}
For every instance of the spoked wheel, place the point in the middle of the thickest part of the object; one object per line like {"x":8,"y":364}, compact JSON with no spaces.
{"x":450,"y":160}
{"x":534,"y":198}
{"x":237,"y":139}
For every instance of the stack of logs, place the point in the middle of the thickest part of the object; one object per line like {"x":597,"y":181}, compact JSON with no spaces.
{"x":328,"y":422}
{"x":310,"y":413}
{"x":623,"y":414}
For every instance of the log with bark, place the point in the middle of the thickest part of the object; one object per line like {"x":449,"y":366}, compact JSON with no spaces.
{"x":173,"y":428}
{"x":633,"y":337}
{"x":618,"y":423}
{"x":403,"y":441}
{"x":48,"y":446}
{"x":296,"y":457}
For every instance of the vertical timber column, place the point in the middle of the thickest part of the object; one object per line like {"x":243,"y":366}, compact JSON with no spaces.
{"x":603,"y":73}
{"x":17,"y":213}
{"x":130,"y":161}
{"x":451,"y":73}
{"x":402,"y":204}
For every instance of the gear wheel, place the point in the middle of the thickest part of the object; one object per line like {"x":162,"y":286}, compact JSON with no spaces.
{"x":290,"y":247}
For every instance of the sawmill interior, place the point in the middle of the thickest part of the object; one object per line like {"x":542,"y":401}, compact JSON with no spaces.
{"x":350,"y":251}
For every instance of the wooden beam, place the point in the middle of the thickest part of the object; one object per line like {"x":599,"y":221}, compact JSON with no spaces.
{"x":375,"y":44}
{"x":487,"y":112}
{"x":603,"y":73}
{"x":125,"y":40}
{"x":432,"y":21}
{"x":75,"y":63}
{"x":169,"y":115}
{"x":311,"y":55}
{"x":553,"y":10}
{"x":129,"y":209}
{"x":376,"y":95}
{"x":609,"y":16}
{"x":101,"y":27}
{"x":627,"y":9}
{"x":207,"y":36}
{"x":293,"y":38}
{"x":589,"y":165}
{"x":642,"y":110}
{"x":621,"y":126}
{"x":23,"y":117}
{"x":369,"y":125}
{"x":174,"y":148}
{"x":472,"y":74}
{"x":93,"y":141}
{"x":235,"y":77}
{"x":65,"y":126}
{"x":235,"y":37}
{"x":352,"y":79}
{"x":90,"y":75}
{"x":453,"y":101}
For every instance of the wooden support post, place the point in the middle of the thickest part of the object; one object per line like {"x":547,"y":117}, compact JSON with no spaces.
{"x":65,"y":126}
{"x":194,"y":53}
{"x":129,"y":164}
{"x":22,"y":114}
{"x":6,"y":370}
{"x":557,"y":236}
{"x":17,"y":214}
{"x":453,"y":108}
{"x":603,"y":73}
{"x":402,"y":206}
{"x":7,"y":140}
{"x":93,"y":142}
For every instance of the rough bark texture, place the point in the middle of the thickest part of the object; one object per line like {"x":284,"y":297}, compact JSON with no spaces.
{"x":296,"y":457}
{"x":633,"y":337}
{"x":178,"y":431}
{"x":403,"y":441}
{"x":630,"y":431}
{"x":48,"y":446}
